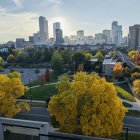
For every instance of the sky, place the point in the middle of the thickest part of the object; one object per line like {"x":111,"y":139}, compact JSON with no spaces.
{"x":19,"y":18}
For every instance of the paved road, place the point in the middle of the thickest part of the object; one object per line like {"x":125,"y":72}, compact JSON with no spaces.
{"x":126,"y":59}
{"x":29,"y":74}
{"x":41,"y":114}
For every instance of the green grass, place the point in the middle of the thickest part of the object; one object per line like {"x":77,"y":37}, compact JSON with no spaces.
{"x":127,"y":105}
{"x":42,"y":92}
{"x":133,"y":113}
{"x":122,"y":136}
{"x":54,"y":78}
{"x":125,"y":87}
{"x":124,"y":94}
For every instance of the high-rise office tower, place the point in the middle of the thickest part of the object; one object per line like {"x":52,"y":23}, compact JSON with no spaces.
{"x":116,"y":33}
{"x":56,"y":25}
{"x":99,"y":38}
{"x":134,"y":37}
{"x":107,"y":36}
{"x":43,"y":28}
{"x":80,"y":37}
{"x":59,"y":36}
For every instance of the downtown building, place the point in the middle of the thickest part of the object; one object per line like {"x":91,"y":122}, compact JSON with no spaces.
{"x":43,"y":30}
{"x":99,"y":38}
{"x":134,"y":37}
{"x":116,"y":33}
{"x":56,"y":25}
{"x":59,"y":37}
{"x":80,"y":37}
{"x":107,"y":36}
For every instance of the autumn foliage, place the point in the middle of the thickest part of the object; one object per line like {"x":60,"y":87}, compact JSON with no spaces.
{"x":11,"y":88}
{"x":42,"y":80}
{"x":136,"y":87}
{"x":118,"y":70}
{"x":47,"y":75}
{"x":88,"y":105}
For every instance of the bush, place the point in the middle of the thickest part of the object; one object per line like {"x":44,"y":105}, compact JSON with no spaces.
{"x":37,"y":71}
{"x":1,"y":69}
{"x":12,"y":70}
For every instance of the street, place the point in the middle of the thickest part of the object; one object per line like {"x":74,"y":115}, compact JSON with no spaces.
{"x":41,"y":114}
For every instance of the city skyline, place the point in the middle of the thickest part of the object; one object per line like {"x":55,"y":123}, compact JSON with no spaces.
{"x":92,"y":16}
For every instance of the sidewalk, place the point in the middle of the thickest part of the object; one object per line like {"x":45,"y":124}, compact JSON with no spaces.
{"x":45,"y":85}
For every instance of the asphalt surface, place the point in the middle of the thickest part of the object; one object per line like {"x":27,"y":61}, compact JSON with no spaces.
{"x":41,"y":114}
{"x":28,"y":74}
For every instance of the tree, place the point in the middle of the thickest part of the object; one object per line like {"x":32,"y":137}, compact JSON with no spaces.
{"x":127,"y":72}
{"x":67,"y":56}
{"x":11,"y":88}
{"x":136,"y":87}
{"x":80,"y":68}
{"x":99,"y":56}
{"x":57,"y":62}
{"x":112,"y":53}
{"x":137,"y":59}
{"x":1,"y":62}
{"x":42,"y":80}
{"x":11,"y":59}
{"x":132,"y":54}
{"x":118,"y":70}
{"x":47,"y":75}
{"x":135,"y":76}
{"x":88,"y":105}
{"x":78,"y":58}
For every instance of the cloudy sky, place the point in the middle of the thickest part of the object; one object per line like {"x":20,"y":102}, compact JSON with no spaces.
{"x":19,"y":18}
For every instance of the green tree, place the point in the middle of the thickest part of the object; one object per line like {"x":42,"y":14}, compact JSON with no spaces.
{"x":67,"y":56}
{"x":57,"y":62}
{"x":1,"y":62}
{"x":88,"y":105}
{"x":11,"y":59}
{"x":99,"y":56}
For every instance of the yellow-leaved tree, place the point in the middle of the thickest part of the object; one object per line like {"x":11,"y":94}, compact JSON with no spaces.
{"x":11,"y":88}
{"x":88,"y":105}
{"x":136,"y":87}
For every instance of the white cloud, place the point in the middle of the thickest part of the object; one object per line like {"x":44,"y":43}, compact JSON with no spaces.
{"x":14,"y":26}
{"x":17,"y":3}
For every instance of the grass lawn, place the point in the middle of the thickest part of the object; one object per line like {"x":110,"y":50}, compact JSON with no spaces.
{"x":42,"y":92}
{"x":53,"y":79}
{"x":122,"y":136}
{"x":133,"y":113}
{"x":127,"y":105}
{"x":124,"y":92}
{"x":125,"y":87}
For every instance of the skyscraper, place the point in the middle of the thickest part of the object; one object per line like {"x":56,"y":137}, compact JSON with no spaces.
{"x":59,"y":36}
{"x":134,"y":37}
{"x":56,"y":25}
{"x":80,"y":37}
{"x":107,"y":36}
{"x":116,"y":33}
{"x":43,"y":28}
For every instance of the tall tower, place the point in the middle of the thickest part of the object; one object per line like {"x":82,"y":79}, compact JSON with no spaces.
{"x":116,"y":33}
{"x":59,"y":36}
{"x":134,"y":37}
{"x":80,"y":37}
{"x":56,"y":25}
{"x":43,"y":28}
